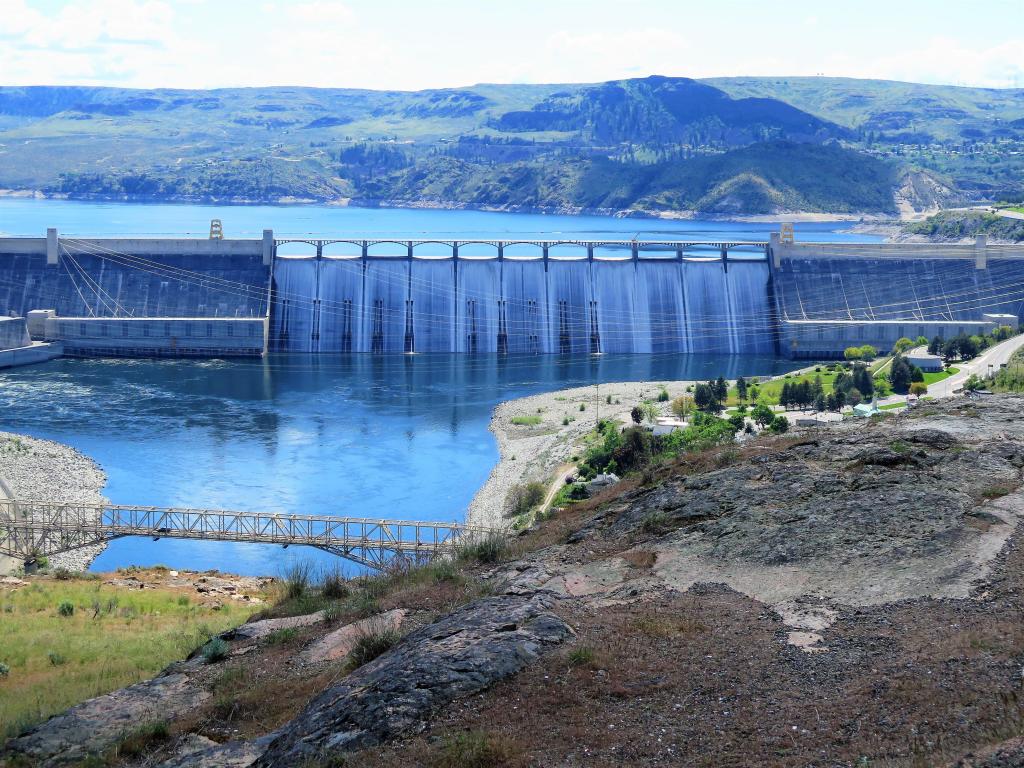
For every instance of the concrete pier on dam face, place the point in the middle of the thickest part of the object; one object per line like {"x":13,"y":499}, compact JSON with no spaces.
{"x":520,"y":298}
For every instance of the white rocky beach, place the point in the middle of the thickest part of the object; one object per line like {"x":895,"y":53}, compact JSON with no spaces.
{"x":542,"y":451}
{"x":42,"y":470}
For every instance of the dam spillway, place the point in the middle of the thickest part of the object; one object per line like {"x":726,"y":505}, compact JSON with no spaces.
{"x":531,"y":297}
{"x":520,"y":306}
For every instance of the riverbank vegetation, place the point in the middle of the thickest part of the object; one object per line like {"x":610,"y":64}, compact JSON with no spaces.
{"x":68,"y":637}
{"x":960,"y":225}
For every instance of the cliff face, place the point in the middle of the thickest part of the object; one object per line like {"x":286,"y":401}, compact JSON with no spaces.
{"x":850,"y":592}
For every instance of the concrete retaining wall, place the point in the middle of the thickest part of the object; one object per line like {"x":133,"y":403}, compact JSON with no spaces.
{"x":159,"y":337}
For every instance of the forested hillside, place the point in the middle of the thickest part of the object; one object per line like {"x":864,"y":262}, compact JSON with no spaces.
{"x":659,"y":145}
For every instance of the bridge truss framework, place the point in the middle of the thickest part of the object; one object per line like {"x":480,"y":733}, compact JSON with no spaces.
{"x":37,"y":528}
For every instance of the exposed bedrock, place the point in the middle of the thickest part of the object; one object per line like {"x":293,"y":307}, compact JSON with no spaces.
{"x":461,"y":654}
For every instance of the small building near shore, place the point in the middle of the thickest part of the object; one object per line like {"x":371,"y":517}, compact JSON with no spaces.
{"x":924,"y":361}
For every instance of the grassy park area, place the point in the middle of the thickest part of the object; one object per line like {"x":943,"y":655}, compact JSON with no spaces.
{"x":67,"y":640}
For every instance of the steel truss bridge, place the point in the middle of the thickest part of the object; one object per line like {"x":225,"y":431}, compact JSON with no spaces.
{"x":37,"y":528}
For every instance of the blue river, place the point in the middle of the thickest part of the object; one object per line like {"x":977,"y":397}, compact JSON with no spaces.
{"x":363,"y":436}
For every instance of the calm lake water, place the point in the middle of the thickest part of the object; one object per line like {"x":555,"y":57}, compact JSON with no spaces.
{"x":395,"y":436}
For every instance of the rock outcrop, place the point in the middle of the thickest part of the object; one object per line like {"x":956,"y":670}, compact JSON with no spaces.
{"x":462,"y":653}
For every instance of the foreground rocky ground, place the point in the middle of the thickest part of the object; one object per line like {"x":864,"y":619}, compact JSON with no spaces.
{"x":850,"y":597}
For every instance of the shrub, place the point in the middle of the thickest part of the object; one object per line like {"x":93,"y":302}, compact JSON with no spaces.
{"x":474,"y":749}
{"x":779,"y":425}
{"x":376,"y":640}
{"x":486,"y":551}
{"x":334,"y":585}
{"x":663,"y":395}
{"x":919,"y":388}
{"x":583,"y":406}
{"x":527,"y":421}
{"x":282,"y":636}
{"x":139,"y":741}
{"x":581,"y":656}
{"x":5,"y":670}
{"x":55,"y":658}
{"x":215,"y":650}
{"x":66,"y":609}
{"x":524,"y":498}
{"x":636,"y":413}
{"x":608,"y":399}
{"x":297,"y":578}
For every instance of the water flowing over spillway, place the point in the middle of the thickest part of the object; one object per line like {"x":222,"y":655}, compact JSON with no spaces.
{"x":560,"y":306}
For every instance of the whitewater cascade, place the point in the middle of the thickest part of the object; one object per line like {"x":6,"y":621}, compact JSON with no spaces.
{"x":521,"y":306}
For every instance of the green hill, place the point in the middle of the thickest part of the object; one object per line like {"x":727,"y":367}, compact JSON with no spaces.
{"x":743,"y":145}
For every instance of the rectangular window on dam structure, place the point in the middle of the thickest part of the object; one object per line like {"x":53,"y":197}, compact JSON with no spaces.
{"x":83,"y":329}
{"x":209,"y":329}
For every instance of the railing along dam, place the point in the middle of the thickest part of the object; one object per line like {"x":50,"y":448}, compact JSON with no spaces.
{"x":34,"y":528}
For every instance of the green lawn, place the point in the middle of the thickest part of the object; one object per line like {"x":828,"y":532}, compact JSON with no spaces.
{"x":771,"y":390}
{"x":931,"y":378}
{"x":892,"y":406}
{"x":114,"y":637}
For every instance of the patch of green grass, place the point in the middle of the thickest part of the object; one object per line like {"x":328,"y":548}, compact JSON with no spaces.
{"x":373,"y":643}
{"x":473,"y":749}
{"x":581,"y":656}
{"x":527,"y":421}
{"x":487,"y":550}
{"x":101,"y":652}
{"x":932,"y":377}
{"x":892,"y":406}
{"x":770,"y":390}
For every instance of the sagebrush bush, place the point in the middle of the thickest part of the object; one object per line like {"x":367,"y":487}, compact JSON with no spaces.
{"x":66,"y":609}
{"x":215,"y":650}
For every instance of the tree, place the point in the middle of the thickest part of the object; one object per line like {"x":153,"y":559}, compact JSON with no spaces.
{"x":786,"y":395}
{"x":935,"y":346}
{"x":762,"y":415}
{"x":900,"y":374}
{"x":704,"y":398}
{"x":919,"y":388}
{"x":650,"y":411}
{"x":682,"y":406}
{"x":737,"y":422}
{"x":779,"y":425}
{"x":902,"y":345}
{"x":820,"y":403}
{"x":741,"y":388}
{"x":916,"y":374}
{"x":755,"y":393}
{"x":922,"y":341}
{"x":636,"y":414}
{"x":721,"y":389}
{"x":854,"y":397}
{"x":852,"y":353}
{"x":862,"y":380}
{"x":867,"y":352}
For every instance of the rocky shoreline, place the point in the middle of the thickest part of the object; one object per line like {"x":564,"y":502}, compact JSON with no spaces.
{"x":43,"y":470}
{"x":537,"y":452}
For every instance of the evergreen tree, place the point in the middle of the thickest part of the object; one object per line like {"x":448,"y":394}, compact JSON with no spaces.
{"x":721,"y":389}
{"x":916,"y":374}
{"x":741,"y":388}
{"x":704,"y":398}
{"x":899,"y":374}
{"x":935,"y":346}
{"x":786,"y":396}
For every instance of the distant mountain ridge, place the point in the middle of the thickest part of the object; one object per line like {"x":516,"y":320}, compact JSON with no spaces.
{"x":659,"y":145}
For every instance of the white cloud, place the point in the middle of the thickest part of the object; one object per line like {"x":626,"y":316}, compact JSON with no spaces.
{"x":383,"y":44}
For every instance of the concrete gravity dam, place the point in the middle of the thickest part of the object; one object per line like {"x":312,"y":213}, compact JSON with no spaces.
{"x":179,"y":297}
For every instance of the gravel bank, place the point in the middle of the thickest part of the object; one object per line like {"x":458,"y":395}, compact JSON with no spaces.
{"x":42,"y":470}
{"x":532,"y":452}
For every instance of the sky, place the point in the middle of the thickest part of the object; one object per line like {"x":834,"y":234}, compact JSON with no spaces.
{"x":414,"y":44}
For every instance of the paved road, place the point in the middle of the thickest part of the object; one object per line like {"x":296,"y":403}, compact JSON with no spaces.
{"x":990,"y":360}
